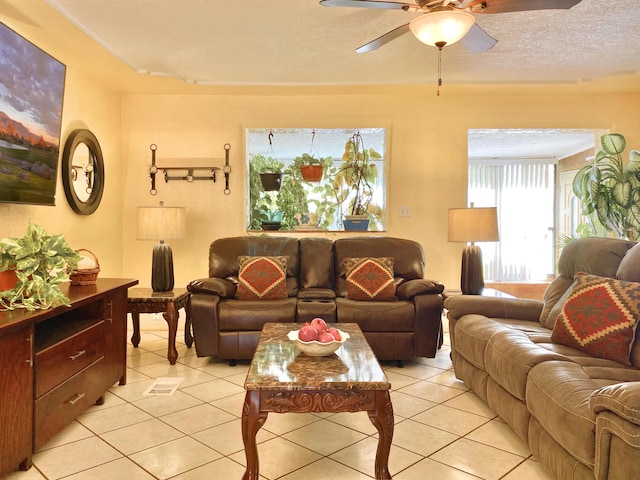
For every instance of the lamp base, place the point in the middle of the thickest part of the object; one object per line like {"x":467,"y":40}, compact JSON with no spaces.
{"x":162,"y":268}
{"x":472,"y":278}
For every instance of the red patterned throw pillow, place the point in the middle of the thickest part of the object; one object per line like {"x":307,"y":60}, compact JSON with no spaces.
{"x":262,"y":278}
{"x":600,"y":317}
{"x":370,"y":278}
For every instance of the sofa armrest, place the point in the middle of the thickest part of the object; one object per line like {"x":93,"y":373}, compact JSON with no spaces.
{"x":213,"y":286}
{"x":411,"y":288}
{"x":520,"y":308}
{"x":617,"y":409}
{"x":623,"y":399}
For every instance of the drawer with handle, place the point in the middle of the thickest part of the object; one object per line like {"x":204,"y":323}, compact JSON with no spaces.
{"x":58,"y":362}
{"x":59,"y":407}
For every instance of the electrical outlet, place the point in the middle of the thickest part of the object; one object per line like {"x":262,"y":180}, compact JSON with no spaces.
{"x":405,"y":211}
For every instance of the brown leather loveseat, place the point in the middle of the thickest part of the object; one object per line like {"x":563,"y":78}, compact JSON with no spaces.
{"x":563,"y":373}
{"x":398,"y":328}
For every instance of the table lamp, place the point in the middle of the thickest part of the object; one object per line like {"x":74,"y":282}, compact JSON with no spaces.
{"x":161,"y":223}
{"x":473,"y":225}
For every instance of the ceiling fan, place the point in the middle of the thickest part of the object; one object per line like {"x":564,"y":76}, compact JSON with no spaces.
{"x":445,"y":22}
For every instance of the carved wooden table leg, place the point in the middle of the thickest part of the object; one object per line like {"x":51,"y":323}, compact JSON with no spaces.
{"x":382,"y":419}
{"x":171,"y":316}
{"x":188,"y":335}
{"x":252,"y":421}
{"x":135,"y":338}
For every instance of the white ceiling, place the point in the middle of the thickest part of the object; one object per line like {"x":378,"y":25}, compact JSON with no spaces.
{"x":548,"y":145}
{"x":299,"y":42}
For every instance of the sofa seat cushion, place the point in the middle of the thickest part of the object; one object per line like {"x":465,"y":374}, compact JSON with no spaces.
{"x":374,"y":316}
{"x":509,"y":357}
{"x":473,"y":332}
{"x":251,"y":315}
{"x":557,"y":395}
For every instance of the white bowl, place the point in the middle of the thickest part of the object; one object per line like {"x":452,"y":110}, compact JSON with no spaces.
{"x":315,"y":348}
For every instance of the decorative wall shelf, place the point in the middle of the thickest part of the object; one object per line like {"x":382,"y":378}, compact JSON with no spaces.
{"x":189,"y":174}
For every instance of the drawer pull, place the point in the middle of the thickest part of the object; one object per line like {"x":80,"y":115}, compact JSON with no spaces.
{"x":79,"y":354}
{"x":75,"y":399}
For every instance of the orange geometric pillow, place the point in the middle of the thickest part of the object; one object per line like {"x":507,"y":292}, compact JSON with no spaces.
{"x":600,"y":317}
{"x":262,"y":278}
{"x":370,"y":278}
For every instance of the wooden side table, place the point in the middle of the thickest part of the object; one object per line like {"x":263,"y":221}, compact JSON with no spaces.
{"x":145,"y":300}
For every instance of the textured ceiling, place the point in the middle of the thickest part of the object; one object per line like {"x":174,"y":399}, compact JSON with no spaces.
{"x":299,"y":42}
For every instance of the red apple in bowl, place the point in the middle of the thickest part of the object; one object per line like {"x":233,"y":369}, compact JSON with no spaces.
{"x":324,"y":344}
{"x":336,"y":333}
{"x":319,"y":324}
{"x":308,"y":333}
{"x":326,"y":337}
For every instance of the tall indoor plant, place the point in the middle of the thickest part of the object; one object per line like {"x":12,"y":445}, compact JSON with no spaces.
{"x":354,"y":179}
{"x":41,"y":263}
{"x":610,"y":189}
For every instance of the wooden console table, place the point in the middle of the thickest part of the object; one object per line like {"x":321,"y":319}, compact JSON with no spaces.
{"x":56,"y":363}
{"x":283,"y":380}
{"x":145,"y":300}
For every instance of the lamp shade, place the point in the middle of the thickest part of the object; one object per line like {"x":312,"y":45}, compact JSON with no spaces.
{"x":161,"y":223}
{"x":473,"y":224}
{"x":446,"y":26}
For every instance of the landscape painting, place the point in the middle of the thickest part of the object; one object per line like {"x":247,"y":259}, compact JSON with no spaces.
{"x":31,"y":93}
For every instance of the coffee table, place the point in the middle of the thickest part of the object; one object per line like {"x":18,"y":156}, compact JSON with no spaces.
{"x":283,"y":380}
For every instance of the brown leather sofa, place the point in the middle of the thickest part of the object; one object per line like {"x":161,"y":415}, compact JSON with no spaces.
{"x":579,"y":414}
{"x":229,"y":328}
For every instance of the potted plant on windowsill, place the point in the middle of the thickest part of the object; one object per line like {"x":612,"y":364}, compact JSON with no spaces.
{"x":41,"y":262}
{"x":353,"y":184}
{"x":610,"y":190}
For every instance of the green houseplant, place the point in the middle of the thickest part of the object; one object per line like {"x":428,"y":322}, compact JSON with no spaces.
{"x":311,"y":167}
{"x":610,"y":189}
{"x":262,"y":202}
{"x":41,"y":262}
{"x":354,"y":179}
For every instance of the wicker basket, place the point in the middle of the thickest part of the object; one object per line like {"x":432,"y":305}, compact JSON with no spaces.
{"x":85,"y":276}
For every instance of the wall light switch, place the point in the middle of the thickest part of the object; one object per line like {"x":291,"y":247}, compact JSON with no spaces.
{"x":405,"y":211}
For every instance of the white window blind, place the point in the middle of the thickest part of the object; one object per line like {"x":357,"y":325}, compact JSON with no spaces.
{"x":524,"y":195}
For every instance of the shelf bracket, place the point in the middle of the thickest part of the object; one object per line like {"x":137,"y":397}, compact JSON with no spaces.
{"x":189,"y":174}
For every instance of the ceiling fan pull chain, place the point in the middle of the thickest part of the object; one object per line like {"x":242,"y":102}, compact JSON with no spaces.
{"x":440,"y":46}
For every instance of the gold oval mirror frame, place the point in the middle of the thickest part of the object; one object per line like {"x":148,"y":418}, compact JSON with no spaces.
{"x":83,"y":171}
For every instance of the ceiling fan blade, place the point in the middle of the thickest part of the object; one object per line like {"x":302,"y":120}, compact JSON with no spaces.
{"x":370,"y":4}
{"x":384,"y":39}
{"x":477,"y":40}
{"x":505,"y":6}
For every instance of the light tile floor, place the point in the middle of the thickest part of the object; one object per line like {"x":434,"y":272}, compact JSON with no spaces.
{"x":442,"y":430}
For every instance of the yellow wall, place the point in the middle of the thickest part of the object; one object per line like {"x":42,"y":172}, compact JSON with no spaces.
{"x":427,"y":144}
{"x":427,"y":150}
{"x":87,"y":104}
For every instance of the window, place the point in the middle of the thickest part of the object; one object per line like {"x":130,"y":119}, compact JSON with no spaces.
{"x":300,"y":204}
{"x":524,"y":193}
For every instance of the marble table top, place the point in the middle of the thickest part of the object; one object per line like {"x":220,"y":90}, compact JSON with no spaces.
{"x":148,"y":295}
{"x":278,"y":364}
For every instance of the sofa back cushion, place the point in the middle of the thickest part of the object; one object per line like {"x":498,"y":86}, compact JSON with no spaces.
{"x":316,"y":263}
{"x":629,"y":268}
{"x":595,"y":255}
{"x":408,"y":257}
{"x":224,"y":253}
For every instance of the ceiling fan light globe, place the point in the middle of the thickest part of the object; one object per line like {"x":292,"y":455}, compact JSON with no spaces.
{"x":446,"y":26}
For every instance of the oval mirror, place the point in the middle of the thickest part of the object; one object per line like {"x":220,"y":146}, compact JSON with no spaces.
{"x":83,"y":171}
